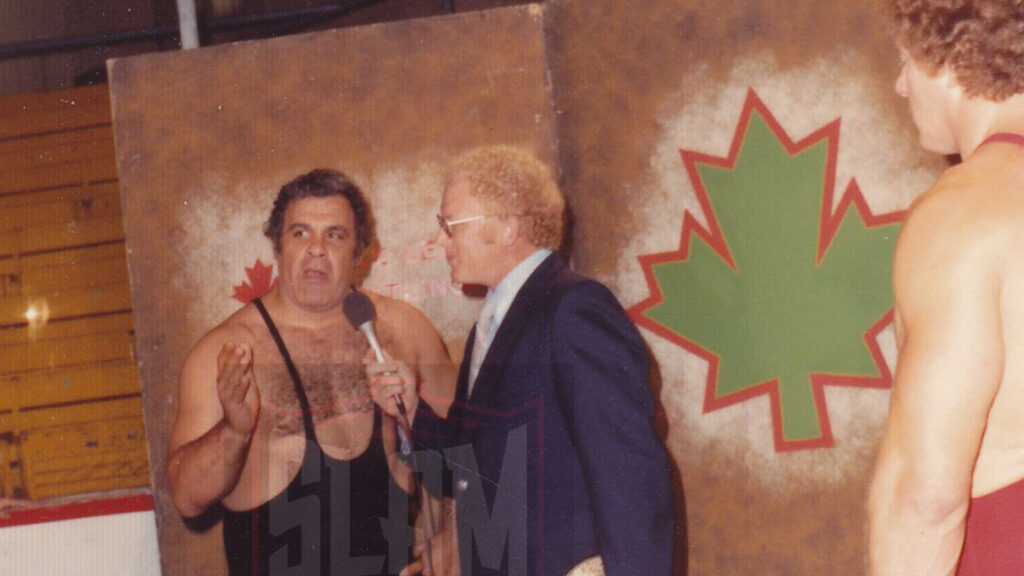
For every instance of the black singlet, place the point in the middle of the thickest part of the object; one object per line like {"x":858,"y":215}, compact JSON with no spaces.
{"x":336,"y":517}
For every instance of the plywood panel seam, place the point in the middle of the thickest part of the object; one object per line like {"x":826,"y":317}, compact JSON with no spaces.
{"x":63,"y":185}
{"x":52,"y":132}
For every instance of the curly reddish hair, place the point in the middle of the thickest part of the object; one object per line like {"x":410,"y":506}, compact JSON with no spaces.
{"x":981,"y":41}
{"x":512,"y":181}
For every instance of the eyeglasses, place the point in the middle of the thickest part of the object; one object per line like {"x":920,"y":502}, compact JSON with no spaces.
{"x":447,"y":224}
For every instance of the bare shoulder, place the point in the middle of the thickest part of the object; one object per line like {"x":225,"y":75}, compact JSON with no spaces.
{"x":198,"y":407}
{"x":959,"y":237}
{"x":408,"y":332}
{"x":400,"y":316}
{"x":239,"y":328}
{"x":968,"y":218}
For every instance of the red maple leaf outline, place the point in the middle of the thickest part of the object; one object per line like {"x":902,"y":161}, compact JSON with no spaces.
{"x":713,"y":237}
{"x":261,"y":282}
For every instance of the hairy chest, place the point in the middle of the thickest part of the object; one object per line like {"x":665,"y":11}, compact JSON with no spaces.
{"x":330,"y":372}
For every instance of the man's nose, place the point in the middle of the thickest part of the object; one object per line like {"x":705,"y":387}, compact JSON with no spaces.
{"x":316,"y":246}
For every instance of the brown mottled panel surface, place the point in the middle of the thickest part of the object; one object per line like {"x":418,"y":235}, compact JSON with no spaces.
{"x":206,"y":138}
{"x":635,"y":81}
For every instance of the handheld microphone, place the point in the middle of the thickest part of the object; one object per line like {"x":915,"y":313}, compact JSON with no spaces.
{"x":360,"y":313}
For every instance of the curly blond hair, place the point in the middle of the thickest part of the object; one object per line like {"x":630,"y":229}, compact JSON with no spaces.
{"x":981,"y":41}
{"x":511,"y":181}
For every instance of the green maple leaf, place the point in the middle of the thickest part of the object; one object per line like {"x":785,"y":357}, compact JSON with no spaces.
{"x":781,"y":294}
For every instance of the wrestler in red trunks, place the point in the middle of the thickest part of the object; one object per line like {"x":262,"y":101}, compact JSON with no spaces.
{"x":948,"y":490}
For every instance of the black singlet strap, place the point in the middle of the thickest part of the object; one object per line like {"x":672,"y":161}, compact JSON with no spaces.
{"x":307,"y":413}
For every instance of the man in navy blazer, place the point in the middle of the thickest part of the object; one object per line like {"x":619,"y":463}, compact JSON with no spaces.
{"x":549,"y":446}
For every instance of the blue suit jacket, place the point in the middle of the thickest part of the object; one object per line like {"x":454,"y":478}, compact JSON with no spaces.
{"x":553,"y":458}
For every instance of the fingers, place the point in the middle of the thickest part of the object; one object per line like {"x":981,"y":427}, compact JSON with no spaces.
{"x":383,"y":390}
{"x":389,"y":384}
{"x":389,"y":380}
{"x":388,"y":367}
{"x":235,"y":367}
{"x":233,"y":359}
{"x":235,"y":385}
{"x":227,"y":352}
{"x":234,"y":352}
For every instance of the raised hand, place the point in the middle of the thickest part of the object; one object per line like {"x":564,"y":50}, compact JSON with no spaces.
{"x":236,"y":387}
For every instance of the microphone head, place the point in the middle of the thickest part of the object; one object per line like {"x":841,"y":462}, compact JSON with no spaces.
{"x":358,"y":309}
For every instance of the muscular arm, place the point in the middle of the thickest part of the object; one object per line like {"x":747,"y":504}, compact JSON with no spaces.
{"x":217,"y":410}
{"x":950,"y":366}
{"x":436,"y":371}
{"x":602,"y":386}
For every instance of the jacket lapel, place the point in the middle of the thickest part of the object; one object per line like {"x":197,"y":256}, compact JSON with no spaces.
{"x":508,"y":332}
{"x":462,"y":381}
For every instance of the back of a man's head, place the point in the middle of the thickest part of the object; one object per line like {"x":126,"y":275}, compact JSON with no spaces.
{"x":510,"y":180}
{"x":981,"y":41}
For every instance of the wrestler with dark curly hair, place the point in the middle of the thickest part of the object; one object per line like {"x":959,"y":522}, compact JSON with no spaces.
{"x":276,"y":425}
{"x":948,"y":490}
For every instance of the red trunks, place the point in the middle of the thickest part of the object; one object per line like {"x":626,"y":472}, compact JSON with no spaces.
{"x":994,"y":543}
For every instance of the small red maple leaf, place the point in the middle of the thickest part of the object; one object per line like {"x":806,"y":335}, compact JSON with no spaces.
{"x":261,"y":281}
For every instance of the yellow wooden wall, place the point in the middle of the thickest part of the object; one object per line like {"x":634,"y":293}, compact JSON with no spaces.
{"x":70,"y":402}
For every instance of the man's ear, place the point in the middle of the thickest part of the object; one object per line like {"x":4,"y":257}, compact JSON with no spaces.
{"x":509,"y":230}
{"x":950,"y":81}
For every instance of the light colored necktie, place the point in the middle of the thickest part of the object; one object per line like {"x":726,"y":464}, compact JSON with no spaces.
{"x":481,"y":342}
